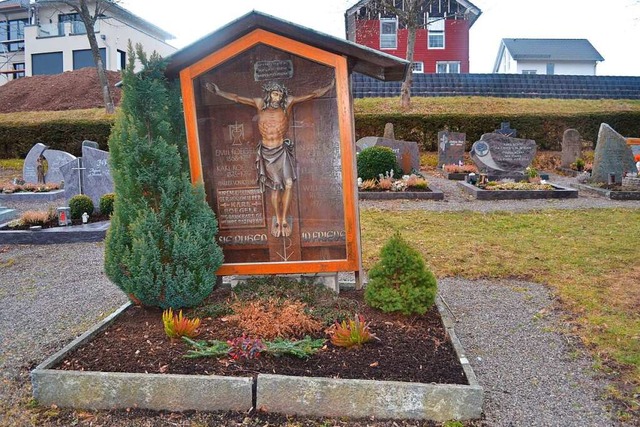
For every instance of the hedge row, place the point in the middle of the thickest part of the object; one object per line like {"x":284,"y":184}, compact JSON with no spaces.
{"x":16,"y":140}
{"x":546,"y":130}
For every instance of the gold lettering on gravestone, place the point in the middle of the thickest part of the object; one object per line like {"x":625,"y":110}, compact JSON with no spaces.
{"x":240,"y":208}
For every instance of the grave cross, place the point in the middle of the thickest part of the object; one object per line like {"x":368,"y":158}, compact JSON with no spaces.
{"x":79,"y":169}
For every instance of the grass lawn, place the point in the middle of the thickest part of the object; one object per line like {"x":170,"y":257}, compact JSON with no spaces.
{"x":589,"y":258}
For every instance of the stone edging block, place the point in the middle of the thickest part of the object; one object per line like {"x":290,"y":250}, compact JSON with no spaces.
{"x":434,"y":194}
{"x":560,"y":192}
{"x":94,"y":232}
{"x":110,"y":390}
{"x":28,"y":196}
{"x":613,"y":195}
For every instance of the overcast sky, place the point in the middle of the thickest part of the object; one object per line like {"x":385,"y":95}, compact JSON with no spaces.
{"x":613,"y":27}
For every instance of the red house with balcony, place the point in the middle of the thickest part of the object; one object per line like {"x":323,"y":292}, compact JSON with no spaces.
{"x":442,"y":39}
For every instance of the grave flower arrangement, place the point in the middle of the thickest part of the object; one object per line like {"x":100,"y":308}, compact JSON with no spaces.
{"x":388,"y":182}
{"x":30,"y":188}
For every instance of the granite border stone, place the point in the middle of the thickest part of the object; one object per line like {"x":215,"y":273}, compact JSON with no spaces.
{"x":28,"y":196}
{"x":559,"y":192}
{"x":434,"y":194}
{"x":110,"y":390}
{"x":93,"y":232}
{"x":330,"y":397}
{"x":613,"y":195}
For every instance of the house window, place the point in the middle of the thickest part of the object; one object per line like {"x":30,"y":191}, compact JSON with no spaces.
{"x":18,"y":66}
{"x":550,"y":68}
{"x":417,"y":67}
{"x":46,"y":63}
{"x":450,"y":67}
{"x":388,"y":33}
{"x":13,"y":31}
{"x":77,"y":26}
{"x":84,"y":58}
{"x":435,"y":27}
{"x":122,"y":60}
{"x":529,"y":71}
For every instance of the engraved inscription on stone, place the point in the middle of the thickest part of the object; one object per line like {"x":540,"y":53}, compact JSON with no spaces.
{"x":240,"y":208}
{"x":450,"y":148}
{"x":272,"y":70}
{"x":497,"y":154}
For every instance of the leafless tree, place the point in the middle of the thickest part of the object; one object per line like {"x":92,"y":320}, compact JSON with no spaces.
{"x":89,"y":16}
{"x":410,"y":15}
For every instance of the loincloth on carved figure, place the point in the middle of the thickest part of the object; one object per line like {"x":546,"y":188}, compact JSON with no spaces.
{"x":275,"y":165}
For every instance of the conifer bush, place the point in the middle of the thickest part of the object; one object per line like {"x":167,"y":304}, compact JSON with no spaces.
{"x":376,"y":160}
{"x":106,"y":203}
{"x":79,"y":204}
{"x":161,"y":247}
{"x":400,"y":281}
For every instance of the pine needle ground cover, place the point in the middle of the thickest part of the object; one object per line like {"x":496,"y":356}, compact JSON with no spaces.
{"x":588,"y":258}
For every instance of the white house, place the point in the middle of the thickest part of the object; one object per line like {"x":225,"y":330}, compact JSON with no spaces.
{"x":547,"y":56}
{"x":47,"y":37}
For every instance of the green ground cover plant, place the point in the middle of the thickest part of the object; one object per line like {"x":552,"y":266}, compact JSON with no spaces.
{"x":586,"y":257}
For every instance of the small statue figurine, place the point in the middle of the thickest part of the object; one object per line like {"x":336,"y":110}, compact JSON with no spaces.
{"x":40,"y":169}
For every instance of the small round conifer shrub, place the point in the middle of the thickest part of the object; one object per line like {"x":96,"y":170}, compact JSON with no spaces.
{"x":80,"y":204}
{"x":376,"y":160}
{"x":401,"y":281}
{"x":106,"y":203}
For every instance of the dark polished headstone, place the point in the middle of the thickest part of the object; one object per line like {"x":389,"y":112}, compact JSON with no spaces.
{"x":571,"y":147}
{"x":407,"y":152}
{"x":451,"y":148}
{"x":501,"y":156}
{"x":612,"y":156}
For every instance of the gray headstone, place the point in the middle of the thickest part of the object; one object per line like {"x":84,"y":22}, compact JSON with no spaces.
{"x":450,"y":148}
{"x":388,"y":131}
{"x":499,"y":155}
{"x":571,"y":147}
{"x":97,"y":179}
{"x":92,"y":144}
{"x":29,"y":169}
{"x":505,"y":129}
{"x":72,"y":176}
{"x":56,"y":159}
{"x":612,"y":155}
{"x":407,"y":152}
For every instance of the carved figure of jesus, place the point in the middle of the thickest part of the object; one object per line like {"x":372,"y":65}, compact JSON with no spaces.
{"x":275,"y":160}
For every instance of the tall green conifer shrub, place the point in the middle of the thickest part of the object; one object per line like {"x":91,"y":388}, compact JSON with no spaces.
{"x":160,"y":248}
{"x":401,"y":281}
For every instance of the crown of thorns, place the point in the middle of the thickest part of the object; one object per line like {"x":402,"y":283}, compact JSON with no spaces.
{"x":273,"y":86}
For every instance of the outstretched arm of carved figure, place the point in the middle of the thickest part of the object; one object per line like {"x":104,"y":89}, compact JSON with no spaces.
{"x":212,"y":87}
{"x":315,"y":94}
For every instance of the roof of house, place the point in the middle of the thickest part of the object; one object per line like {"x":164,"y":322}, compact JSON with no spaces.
{"x":13,"y":4}
{"x":552,"y":49}
{"x":360,"y":58}
{"x":143,"y":23}
{"x":472,"y":13}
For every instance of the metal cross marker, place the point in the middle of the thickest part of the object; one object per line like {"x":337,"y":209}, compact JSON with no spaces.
{"x":80,"y":169}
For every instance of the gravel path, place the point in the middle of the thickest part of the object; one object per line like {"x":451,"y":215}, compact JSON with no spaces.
{"x":532,"y":375}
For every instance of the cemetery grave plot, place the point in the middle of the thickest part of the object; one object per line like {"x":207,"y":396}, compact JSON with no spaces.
{"x":518,"y":190}
{"x":412,"y":349}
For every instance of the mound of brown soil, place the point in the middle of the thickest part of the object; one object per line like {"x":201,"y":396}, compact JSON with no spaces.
{"x":71,"y":90}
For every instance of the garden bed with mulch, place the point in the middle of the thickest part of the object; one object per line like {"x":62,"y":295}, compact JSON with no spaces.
{"x":411,"y":349}
{"x":128,"y":360}
{"x":553,"y":191}
{"x":611,"y":191}
{"x":53,"y":223}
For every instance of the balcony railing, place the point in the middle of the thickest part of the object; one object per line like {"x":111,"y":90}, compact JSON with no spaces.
{"x":51,"y":30}
{"x":74,"y":27}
